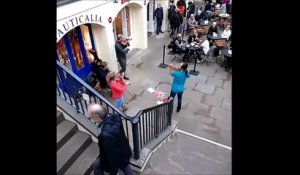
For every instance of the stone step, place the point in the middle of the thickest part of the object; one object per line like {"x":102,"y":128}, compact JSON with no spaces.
{"x":59,"y":117}
{"x":65,"y":130}
{"x":83,"y":164}
{"x":71,"y":150}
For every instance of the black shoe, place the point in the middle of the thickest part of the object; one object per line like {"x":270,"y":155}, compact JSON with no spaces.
{"x":161,"y":32}
{"x":126,"y":78}
{"x":177,"y":110}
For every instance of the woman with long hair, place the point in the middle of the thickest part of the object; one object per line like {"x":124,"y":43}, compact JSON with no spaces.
{"x":180,"y":74}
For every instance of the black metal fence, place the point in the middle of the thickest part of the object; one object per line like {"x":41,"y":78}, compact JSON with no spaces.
{"x":139,"y":129}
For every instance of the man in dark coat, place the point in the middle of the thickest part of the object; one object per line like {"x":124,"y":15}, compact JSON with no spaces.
{"x":176,"y":21}
{"x":121,"y":51}
{"x":114,"y":147}
{"x":159,"y":14}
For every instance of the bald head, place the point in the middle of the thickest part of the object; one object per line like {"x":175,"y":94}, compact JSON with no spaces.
{"x":97,"y":112}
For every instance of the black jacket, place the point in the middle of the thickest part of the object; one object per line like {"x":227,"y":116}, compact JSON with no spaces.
{"x":120,"y":50}
{"x":212,"y":29}
{"x":208,"y":7}
{"x":114,"y":147}
{"x":192,"y":38}
{"x":191,"y":9}
{"x":176,"y":19}
{"x":101,"y":76}
{"x":171,"y":10}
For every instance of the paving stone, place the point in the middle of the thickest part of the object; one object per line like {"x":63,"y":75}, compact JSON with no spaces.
{"x":210,"y":128}
{"x":219,"y":113}
{"x":215,"y":82}
{"x":226,"y":104}
{"x":227,"y":85}
{"x":205,"y":88}
{"x":207,"y":120}
{"x":220,"y":92}
{"x":222,"y":75}
{"x":212,"y":100}
{"x":200,"y":109}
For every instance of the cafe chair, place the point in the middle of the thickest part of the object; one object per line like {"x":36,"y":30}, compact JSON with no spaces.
{"x":178,"y":56}
{"x":203,"y":57}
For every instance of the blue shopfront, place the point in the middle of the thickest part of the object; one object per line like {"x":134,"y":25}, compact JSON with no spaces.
{"x":73,"y":52}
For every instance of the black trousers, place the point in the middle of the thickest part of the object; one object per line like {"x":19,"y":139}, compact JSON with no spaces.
{"x":122,"y":62}
{"x":179,"y":97}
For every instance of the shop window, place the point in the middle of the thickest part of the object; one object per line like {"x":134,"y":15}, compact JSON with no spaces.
{"x":63,"y":53}
{"x":87,"y":42}
{"x":128,"y":21}
{"x":122,"y":23}
{"x":76,"y":49}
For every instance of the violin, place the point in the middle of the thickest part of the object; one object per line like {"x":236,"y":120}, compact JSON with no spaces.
{"x":125,"y":41}
{"x":173,"y":67}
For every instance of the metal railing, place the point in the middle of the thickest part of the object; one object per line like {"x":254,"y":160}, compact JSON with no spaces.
{"x":146,"y":125}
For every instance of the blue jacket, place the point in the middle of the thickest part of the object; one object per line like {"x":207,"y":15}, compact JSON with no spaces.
{"x":159,"y":13}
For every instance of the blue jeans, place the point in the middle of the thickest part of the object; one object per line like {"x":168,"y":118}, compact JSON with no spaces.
{"x":179,"y":96}
{"x":98,"y":170}
{"x":120,"y":102}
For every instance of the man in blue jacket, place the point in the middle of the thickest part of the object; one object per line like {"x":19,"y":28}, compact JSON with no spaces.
{"x":159,"y":14}
{"x":114,"y":147}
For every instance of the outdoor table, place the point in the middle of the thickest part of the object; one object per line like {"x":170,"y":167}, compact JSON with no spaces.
{"x":226,"y":56}
{"x":194,"y":48}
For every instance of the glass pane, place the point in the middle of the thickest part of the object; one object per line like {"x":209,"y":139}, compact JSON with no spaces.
{"x":76,"y":49}
{"x":63,"y":54}
{"x":87,"y":42}
{"x":128,"y":22}
{"x":118,"y":23}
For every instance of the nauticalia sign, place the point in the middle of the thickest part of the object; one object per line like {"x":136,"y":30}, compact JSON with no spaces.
{"x":62,"y":29}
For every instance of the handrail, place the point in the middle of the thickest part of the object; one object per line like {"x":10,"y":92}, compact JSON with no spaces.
{"x":92,"y":90}
{"x":140,"y":129}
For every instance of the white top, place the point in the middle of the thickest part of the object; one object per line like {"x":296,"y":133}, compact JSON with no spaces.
{"x":205,"y":46}
{"x":226,"y":34}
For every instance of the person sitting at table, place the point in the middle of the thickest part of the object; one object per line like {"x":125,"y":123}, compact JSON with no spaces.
{"x":227,"y":32}
{"x":204,"y":51}
{"x":193,"y":36}
{"x":212,"y":52}
{"x":180,"y":46}
{"x":201,"y":37}
{"x":192,"y":23}
{"x":199,"y":16}
{"x":213,"y":28}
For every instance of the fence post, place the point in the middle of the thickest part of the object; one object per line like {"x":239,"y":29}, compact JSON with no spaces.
{"x":135,"y":136}
{"x":170,"y":111}
{"x":156,"y":123}
{"x":163,"y":65}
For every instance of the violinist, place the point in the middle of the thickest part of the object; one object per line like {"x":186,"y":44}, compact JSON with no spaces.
{"x":179,"y":74}
{"x":122,"y":49}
